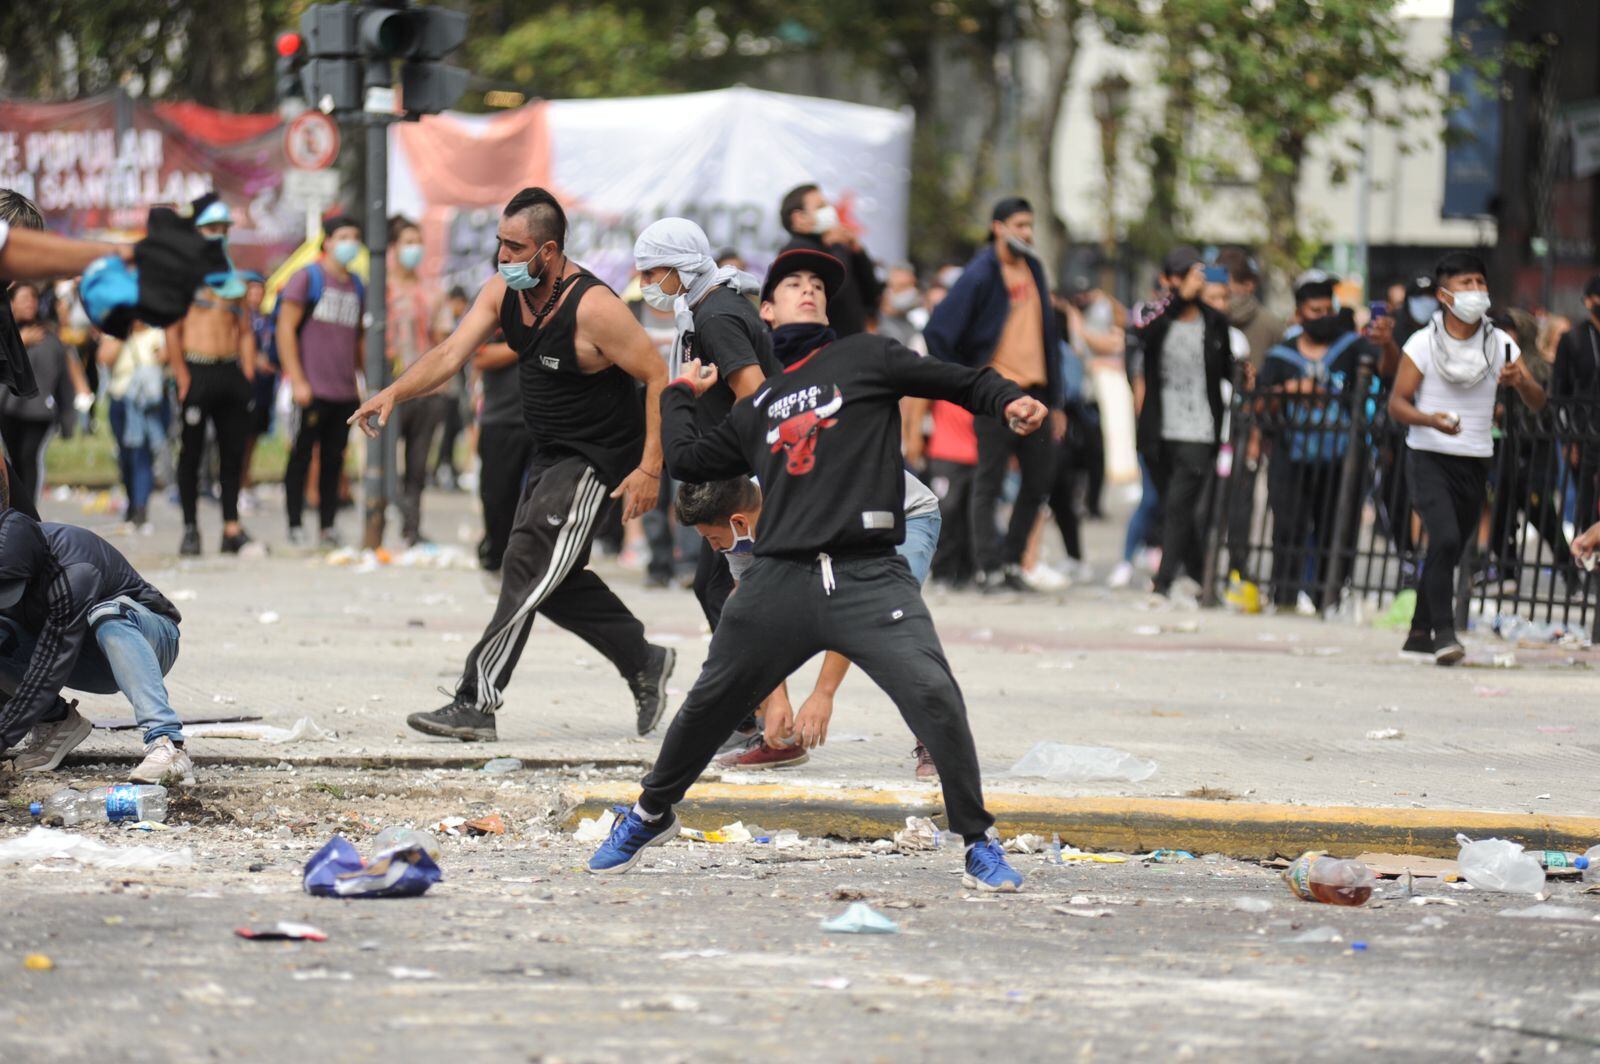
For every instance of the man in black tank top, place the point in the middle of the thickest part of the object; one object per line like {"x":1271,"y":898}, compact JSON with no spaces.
{"x":579,"y":354}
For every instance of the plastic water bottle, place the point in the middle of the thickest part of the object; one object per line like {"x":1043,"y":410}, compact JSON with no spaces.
{"x":1591,"y":865}
{"x":1499,"y":864}
{"x":117,"y":803}
{"x":1561,"y":859}
{"x":1318,"y":877}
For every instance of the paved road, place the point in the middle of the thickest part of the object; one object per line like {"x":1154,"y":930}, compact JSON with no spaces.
{"x":1275,"y":709}
{"x":714,"y":952}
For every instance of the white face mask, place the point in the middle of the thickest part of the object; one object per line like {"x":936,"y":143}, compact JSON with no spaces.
{"x":824,"y":218}
{"x":1470,"y":306}
{"x":658,"y":299}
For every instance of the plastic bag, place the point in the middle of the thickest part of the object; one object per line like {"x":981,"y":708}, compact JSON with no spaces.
{"x":46,"y":844}
{"x":1082,"y":764}
{"x":1500,"y":865}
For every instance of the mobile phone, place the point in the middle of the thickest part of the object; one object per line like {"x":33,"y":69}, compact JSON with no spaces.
{"x":1378,"y":309}
{"x":1216,"y":275}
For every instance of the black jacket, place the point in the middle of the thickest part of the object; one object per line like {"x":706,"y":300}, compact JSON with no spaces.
{"x":823,"y":439}
{"x":69,"y":571}
{"x":1218,"y":356}
{"x":967,"y":323}
{"x":1577,"y":368}
{"x":855,"y":302}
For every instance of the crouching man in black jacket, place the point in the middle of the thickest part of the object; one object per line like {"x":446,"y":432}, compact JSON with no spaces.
{"x":823,"y":439}
{"x":74,"y":613}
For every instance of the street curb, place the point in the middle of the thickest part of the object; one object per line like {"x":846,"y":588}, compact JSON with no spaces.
{"x":82,"y":759}
{"x":1124,"y":825}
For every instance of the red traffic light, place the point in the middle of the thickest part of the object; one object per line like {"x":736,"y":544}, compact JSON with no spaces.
{"x":288,"y":44}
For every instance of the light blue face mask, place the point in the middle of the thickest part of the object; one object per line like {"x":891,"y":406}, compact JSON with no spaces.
{"x":345,"y":251}
{"x":515,"y":274}
{"x":410,"y":256}
{"x":1421,"y":308}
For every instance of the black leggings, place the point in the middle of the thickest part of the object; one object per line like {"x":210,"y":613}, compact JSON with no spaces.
{"x":220,"y":394}
{"x":25,"y":443}
{"x":322,"y":426}
{"x":1447,"y":491}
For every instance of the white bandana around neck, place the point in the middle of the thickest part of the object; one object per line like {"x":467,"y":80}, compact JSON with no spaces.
{"x":679,"y":244}
{"x":1461,"y":362}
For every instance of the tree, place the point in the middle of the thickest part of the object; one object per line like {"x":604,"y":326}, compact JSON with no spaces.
{"x":1281,"y":73}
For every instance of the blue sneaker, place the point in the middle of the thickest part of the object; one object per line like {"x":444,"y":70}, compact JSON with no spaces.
{"x":630,"y":834}
{"x":987,"y":869}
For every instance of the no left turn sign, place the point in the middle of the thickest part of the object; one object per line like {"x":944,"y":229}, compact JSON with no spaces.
{"x":311,"y":141}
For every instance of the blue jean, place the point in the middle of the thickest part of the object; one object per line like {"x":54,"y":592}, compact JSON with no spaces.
{"x":137,"y":464}
{"x":133,"y":649}
{"x":922,"y":539}
{"x":1144,"y":515}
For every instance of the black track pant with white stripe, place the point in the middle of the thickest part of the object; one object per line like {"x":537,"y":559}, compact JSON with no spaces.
{"x":545,"y":572}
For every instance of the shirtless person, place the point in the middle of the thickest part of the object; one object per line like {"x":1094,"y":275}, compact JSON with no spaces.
{"x":579,"y":352}
{"x":213,"y":356}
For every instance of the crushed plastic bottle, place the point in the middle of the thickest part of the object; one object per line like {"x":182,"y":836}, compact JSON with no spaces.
{"x":499,"y":766}
{"x":1591,"y":868}
{"x":118,"y":803}
{"x":391,"y":837}
{"x":1499,"y":865}
{"x":1318,"y":877}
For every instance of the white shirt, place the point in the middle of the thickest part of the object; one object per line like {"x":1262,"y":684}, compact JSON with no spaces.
{"x":1474,"y":404}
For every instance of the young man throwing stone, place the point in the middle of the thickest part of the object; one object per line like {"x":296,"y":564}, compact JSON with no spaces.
{"x":823,"y":438}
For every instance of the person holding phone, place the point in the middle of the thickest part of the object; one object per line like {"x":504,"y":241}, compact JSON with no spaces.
{"x":1444,"y":392}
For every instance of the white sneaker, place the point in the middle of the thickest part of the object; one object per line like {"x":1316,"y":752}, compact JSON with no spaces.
{"x":1121,"y":576}
{"x":164,"y":762}
{"x":1304,"y":606}
{"x":1046,"y":578}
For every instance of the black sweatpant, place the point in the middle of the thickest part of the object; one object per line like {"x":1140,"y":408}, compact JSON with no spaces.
{"x":1447,"y":492}
{"x":322,"y":427}
{"x":545,"y":571}
{"x":954,"y":560}
{"x":713,"y":583}
{"x":1069,"y":473}
{"x":1182,"y":476}
{"x":219,"y":394}
{"x":1303,"y":497}
{"x":1036,"y":457}
{"x":419,"y":421}
{"x":25,"y":445}
{"x":504,"y":452}
{"x":783,"y":616}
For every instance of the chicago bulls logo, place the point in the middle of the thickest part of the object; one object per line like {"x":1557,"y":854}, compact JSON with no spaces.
{"x":797,"y":434}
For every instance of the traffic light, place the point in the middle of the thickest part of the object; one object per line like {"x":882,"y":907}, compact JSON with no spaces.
{"x":332,"y":72}
{"x":428,"y":85}
{"x":291,"y":54}
{"x":351,"y":46}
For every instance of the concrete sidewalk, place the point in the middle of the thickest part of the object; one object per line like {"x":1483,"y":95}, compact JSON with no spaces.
{"x":1267,"y":711}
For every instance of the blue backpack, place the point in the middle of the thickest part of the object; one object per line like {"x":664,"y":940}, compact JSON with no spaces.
{"x":1318,"y":430}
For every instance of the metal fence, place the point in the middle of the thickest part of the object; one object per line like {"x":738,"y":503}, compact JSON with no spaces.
{"x":1312,"y":506}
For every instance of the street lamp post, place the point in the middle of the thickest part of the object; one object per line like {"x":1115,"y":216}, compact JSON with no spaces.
{"x":1110,"y":96}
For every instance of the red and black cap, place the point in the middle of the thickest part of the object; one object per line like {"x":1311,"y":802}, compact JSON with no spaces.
{"x":805,"y":260}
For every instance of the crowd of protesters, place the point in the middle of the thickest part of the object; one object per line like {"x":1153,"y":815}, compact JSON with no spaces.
{"x":1237,"y":414}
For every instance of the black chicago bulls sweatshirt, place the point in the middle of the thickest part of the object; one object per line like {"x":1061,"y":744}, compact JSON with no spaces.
{"x":823,"y":438}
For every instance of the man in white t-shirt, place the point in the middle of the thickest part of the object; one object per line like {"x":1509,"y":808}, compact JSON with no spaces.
{"x":1445,"y":392}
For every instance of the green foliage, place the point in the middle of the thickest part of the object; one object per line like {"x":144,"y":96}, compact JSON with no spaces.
{"x":1280,"y":73}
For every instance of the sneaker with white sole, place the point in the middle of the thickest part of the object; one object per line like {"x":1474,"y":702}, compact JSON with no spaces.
{"x":49,"y":742}
{"x":988,"y":871}
{"x":164,"y":762}
{"x":1121,"y":576}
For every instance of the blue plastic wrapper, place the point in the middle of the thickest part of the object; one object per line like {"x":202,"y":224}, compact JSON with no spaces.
{"x":337,"y":871}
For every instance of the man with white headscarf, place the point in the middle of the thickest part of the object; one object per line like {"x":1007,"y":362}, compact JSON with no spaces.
{"x":716,"y":323}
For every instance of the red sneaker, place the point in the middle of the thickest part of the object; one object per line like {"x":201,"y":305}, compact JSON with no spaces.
{"x":925,"y":766}
{"x":760,"y":755}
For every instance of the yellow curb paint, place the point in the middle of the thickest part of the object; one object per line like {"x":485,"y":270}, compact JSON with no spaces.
{"x":1127,"y":825}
